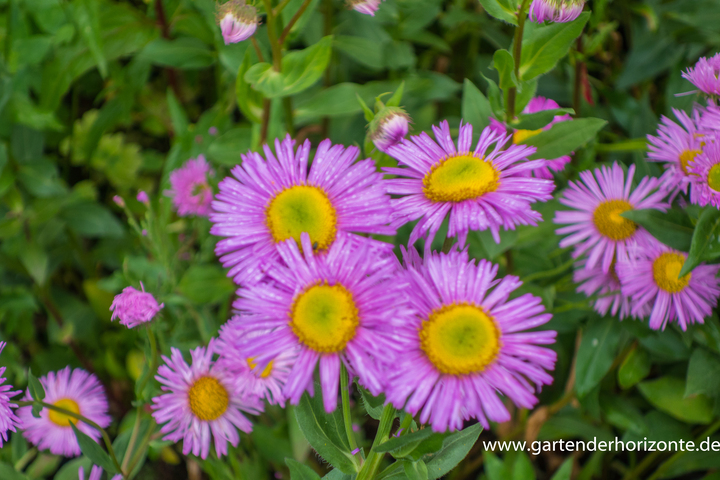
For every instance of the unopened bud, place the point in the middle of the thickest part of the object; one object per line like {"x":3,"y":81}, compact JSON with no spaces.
{"x":119,"y":201}
{"x":368,"y":7}
{"x":388,"y":127}
{"x":559,"y":11}
{"x":238,"y":21}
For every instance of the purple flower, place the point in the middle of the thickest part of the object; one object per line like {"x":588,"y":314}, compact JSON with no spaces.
{"x":705,"y":175}
{"x":677,"y":146}
{"x":95,"y":474}
{"x":606,"y":287}
{"x":595,"y":225}
{"x":238,"y":21}
{"x":559,"y":11}
{"x":466,"y":343}
{"x":652,"y":281}
{"x":368,"y":7}
{"x":389,"y":127}
{"x":119,"y":201}
{"x":270,"y":201}
{"x":336,"y":307}
{"x":201,"y":400}
{"x":76,"y":391}
{"x":485,"y":189}
{"x":190,"y":190}
{"x":704,"y":75}
{"x":134,"y":307}
{"x":8,"y":420}
{"x":143,"y":197}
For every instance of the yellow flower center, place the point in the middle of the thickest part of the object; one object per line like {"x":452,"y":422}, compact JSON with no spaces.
{"x":460,"y":339}
{"x":302,"y":208}
{"x":521,"y":135}
{"x":60,"y":419}
{"x":265,"y":373}
{"x":714,"y":177}
{"x":686,"y":157}
{"x":666,"y":270}
{"x":460,"y":177}
{"x":324,"y":317}
{"x":208,"y":399}
{"x":608,"y":221}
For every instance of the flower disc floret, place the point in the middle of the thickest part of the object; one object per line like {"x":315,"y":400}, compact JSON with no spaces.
{"x":460,"y":177}
{"x":666,"y":272}
{"x":609,"y":223}
{"x":302,"y":208}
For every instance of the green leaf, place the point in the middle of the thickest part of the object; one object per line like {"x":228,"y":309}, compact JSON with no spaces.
{"x":91,"y":449}
{"x":365,"y":51}
{"x":187,"y":53}
{"x":501,"y":9}
{"x":227,"y":148}
{"x":249,"y":100}
{"x":36,"y":262}
{"x":416,"y":470}
{"x":505,"y":65}
{"x":455,"y":448}
{"x":203,"y":284}
{"x":536,"y":121}
{"x":325,"y":432}
{"x":564,"y":137}
{"x":87,"y":17}
{"x":495,"y":469}
{"x":697,"y":461}
{"x":565,"y":470}
{"x":373,"y":405}
{"x":92,"y":220}
{"x":523,"y":468}
{"x":178,"y":117}
{"x":300,"y":70}
{"x":396,"y":443}
{"x":705,"y":240}
{"x":634,"y":368}
{"x":544,"y":45}
{"x":596,"y":354}
{"x":9,"y":473}
{"x":396,"y":98}
{"x":36,"y":409}
{"x":667,"y":394}
{"x":703,"y":374}
{"x":495,"y":97}
{"x":36,"y":389}
{"x":475,"y":107}
{"x":673,"y":228}
{"x":298,"y":471}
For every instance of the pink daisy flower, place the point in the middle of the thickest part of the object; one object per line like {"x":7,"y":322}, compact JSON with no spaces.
{"x":368,"y":7}
{"x":134,"y":307}
{"x":559,"y":11}
{"x":270,"y":201}
{"x":705,"y":75}
{"x":538,"y":104}
{"x":76,"y":391}
{"x":339,"y":307}
{"x":95,"y":474}
{"x":466,"y":343}
{"x":202,"y":400}
{"x":710,"y":119}
{"x":484,"y":189}
{"x":593,"y":282}
{"x":8,"y":420}
{"x":265,"y":383}
{"x":595,"y":225}
{"x":189,"y":189}
{"x":677,"y":146}
{"x":238,"y":21}
{"x":705,"y":175}
{"x":653,"y":283}
{"x":389,"y":127}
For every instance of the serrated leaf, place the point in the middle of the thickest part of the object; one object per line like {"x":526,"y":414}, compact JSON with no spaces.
{"x":596,"y":354}
{"x":564,"y":137}
{"x":673,"y":228}
{"x":705,"y":243}
{"x":298,"y":471}
{"x":667,"y":394}
{"x":37,"y":391}
{"x":455,"y":448}
{"x":91,"y":449}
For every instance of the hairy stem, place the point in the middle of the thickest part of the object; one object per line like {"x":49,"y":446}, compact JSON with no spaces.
{"x":292,"y":22}
{"x":517,"y":55}
{"x":374,"y":459}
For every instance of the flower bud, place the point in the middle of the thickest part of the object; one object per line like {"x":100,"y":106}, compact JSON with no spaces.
{"x":368,"y":7}
{"x":119,"y":201}
{"x":238,"y":21}
{"x":388,"y":127}
{"x":143,"y":197}
{"x":560,"y":11}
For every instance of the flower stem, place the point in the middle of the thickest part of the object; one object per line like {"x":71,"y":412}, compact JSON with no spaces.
{"x":292,"y":22}
{"x":517,"y":55}
{"x":272,"y":36}
{"x":372,"y":463}
{"x":345,"y":395}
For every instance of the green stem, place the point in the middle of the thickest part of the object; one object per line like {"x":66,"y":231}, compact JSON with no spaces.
{"x":517,"y":55}
{"x":345,"y":395}
{"x":25,"y":459}
{"x":272,"y":36}
{"x":289,"y":122}
{"x":281,"y":6}
{"x":374,"y":459}
{"x":406,"y":422}
{"x":292,"y":22}
{"x":138,"y":453}
{"x":133,"y":439}
{"x":447,"y":244}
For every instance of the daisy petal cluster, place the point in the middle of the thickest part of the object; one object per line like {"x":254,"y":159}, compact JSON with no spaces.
{"x":190,"y":191}
{"x":705,"y":75}
{"x":481,"y":189}
{"x":559,"y":11}
{"x":8,"y":420}
{"x":605,"y":288}
{"x":134,"y":307}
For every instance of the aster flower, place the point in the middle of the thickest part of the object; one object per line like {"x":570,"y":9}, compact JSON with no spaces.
{"x":339,"y":307}
{"x":201,"y":400}
{"x":483,"y":189}
{"x":190,"y":191}
{"x":270,"y":201}
{"x":368,"y":7}
{"x":538,"y":104}
{"x":388,"y":127}
{"x":710,"y":120}
{"x":677,"y":146}
{"x":652,"y":281}
{"x":8,"y":420}
{"x":76,"y":391}
{"x":705,"y":75}
{"x":95,"y":474}
{"x":705,"y":176}
{"x":559,"y":11}
{"x":595,"y":225}
{"x":134,"y":307}
{"x":466,"y":343}
{"x":265,"y":383}
{"x":237,"y":20}
{"x":593,"y":281}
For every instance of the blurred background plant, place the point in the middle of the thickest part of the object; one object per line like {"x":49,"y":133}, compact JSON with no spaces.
{"x":102,"y":98}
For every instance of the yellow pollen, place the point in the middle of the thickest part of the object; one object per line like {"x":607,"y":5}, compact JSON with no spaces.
{"x":714,"y":177}
{"x":666,"y":269}
{"x":324,"y":317}
{"x":265,"y":373}
{"x":460,"y":177}
{"x":686,"y":157}
{"x":521,"y":135}
{"x":208,"y":399}
{"x":460,"y":339}
{"x":302,"y":208}
{"x":60,"y":419}
{"x":608,"y":221}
